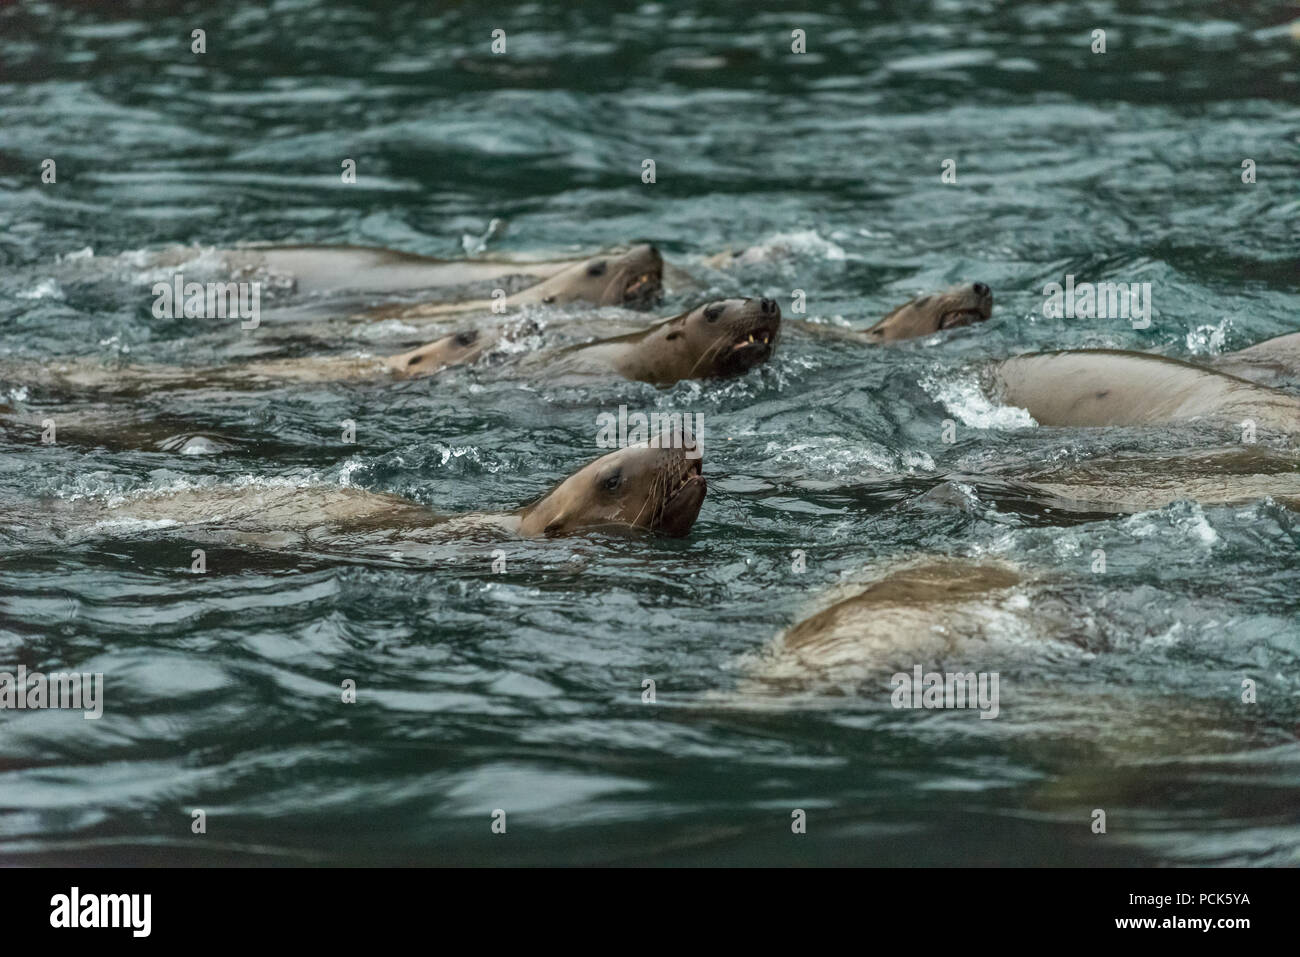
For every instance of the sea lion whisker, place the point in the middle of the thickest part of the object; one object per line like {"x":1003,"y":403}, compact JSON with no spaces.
{"x":650,"y":499}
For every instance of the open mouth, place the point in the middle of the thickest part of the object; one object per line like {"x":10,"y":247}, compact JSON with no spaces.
{"x":644,"y":289}
{"x":682,"y":502}
{"x":747,"y":351}
{"x":961,"y":317}
{"x":763,"y":338}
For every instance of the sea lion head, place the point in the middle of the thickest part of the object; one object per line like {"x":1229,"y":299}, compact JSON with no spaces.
{"x":959,"y":306}
{"x":657,"y":489}
{"x":633,"y":279}
{"x":464,"y":346}
{"x":719,"y":339}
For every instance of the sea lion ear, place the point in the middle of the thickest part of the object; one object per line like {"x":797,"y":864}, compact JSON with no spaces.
{"x":675,"y":324}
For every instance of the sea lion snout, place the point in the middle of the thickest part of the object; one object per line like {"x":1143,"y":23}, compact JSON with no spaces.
{"x":964,"y":305}
{"x":641,"y":272}
{"x":683,"y":498}
{"x":752,"y":328}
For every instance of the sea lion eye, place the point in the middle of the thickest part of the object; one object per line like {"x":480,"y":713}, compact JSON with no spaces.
{"x":596,"y":269}
{"x":613,"y":482}
{"x":467,"y":338}
{"x":713,"y":311}
{"x":549,"y":300}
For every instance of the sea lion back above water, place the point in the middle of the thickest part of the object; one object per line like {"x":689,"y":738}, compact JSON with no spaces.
{"x":1273,"y":362}
{"x":1105,"y":387}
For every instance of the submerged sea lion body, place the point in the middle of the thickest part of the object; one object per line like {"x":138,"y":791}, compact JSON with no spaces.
{"x":355,"y":268}
{"x":313,"y":270}
{"x":937,"y":612}
{"x":1104,"y":387}
{"x":90,"y":376}
{"x":636,"y":488}
{"x":1100,"y":487}
{"x":1137,"y":483}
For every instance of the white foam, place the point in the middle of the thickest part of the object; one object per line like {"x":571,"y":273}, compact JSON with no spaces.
{"x":835,"y":455}
{"x":806,"y":243}
{"x":962,"y":396}
{"x":199,"y":445}
{"x":45,"y":289}
{"x":134,"y":524}
{"x":1186,"y":517}
{"x":1208,"y":340}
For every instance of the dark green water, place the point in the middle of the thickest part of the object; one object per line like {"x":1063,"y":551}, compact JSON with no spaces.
{"x":522,"y":691}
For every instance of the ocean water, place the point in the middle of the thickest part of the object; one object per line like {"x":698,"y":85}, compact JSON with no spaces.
{"x":522,"y":691}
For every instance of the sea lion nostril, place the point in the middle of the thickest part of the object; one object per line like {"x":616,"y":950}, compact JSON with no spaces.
{"x":981,"y":289}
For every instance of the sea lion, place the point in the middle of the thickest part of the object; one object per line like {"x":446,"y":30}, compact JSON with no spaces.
{"x":315,"y":270}
{"x":928,"y":648}
{"x":1062,"y":491}
{"x":77,"y":376}
{"x":1136,"y":483}
{"x":1100,"y":487}
{"x":632,"y":279}
{"x":934,"y":611}
{"x":1273,"y":362}
{"x":960,"y":305}
{"x":715,"y":340}
{"x":641,"y":487}
{"x":952,"y":308}
{"x":1108,"y":387}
